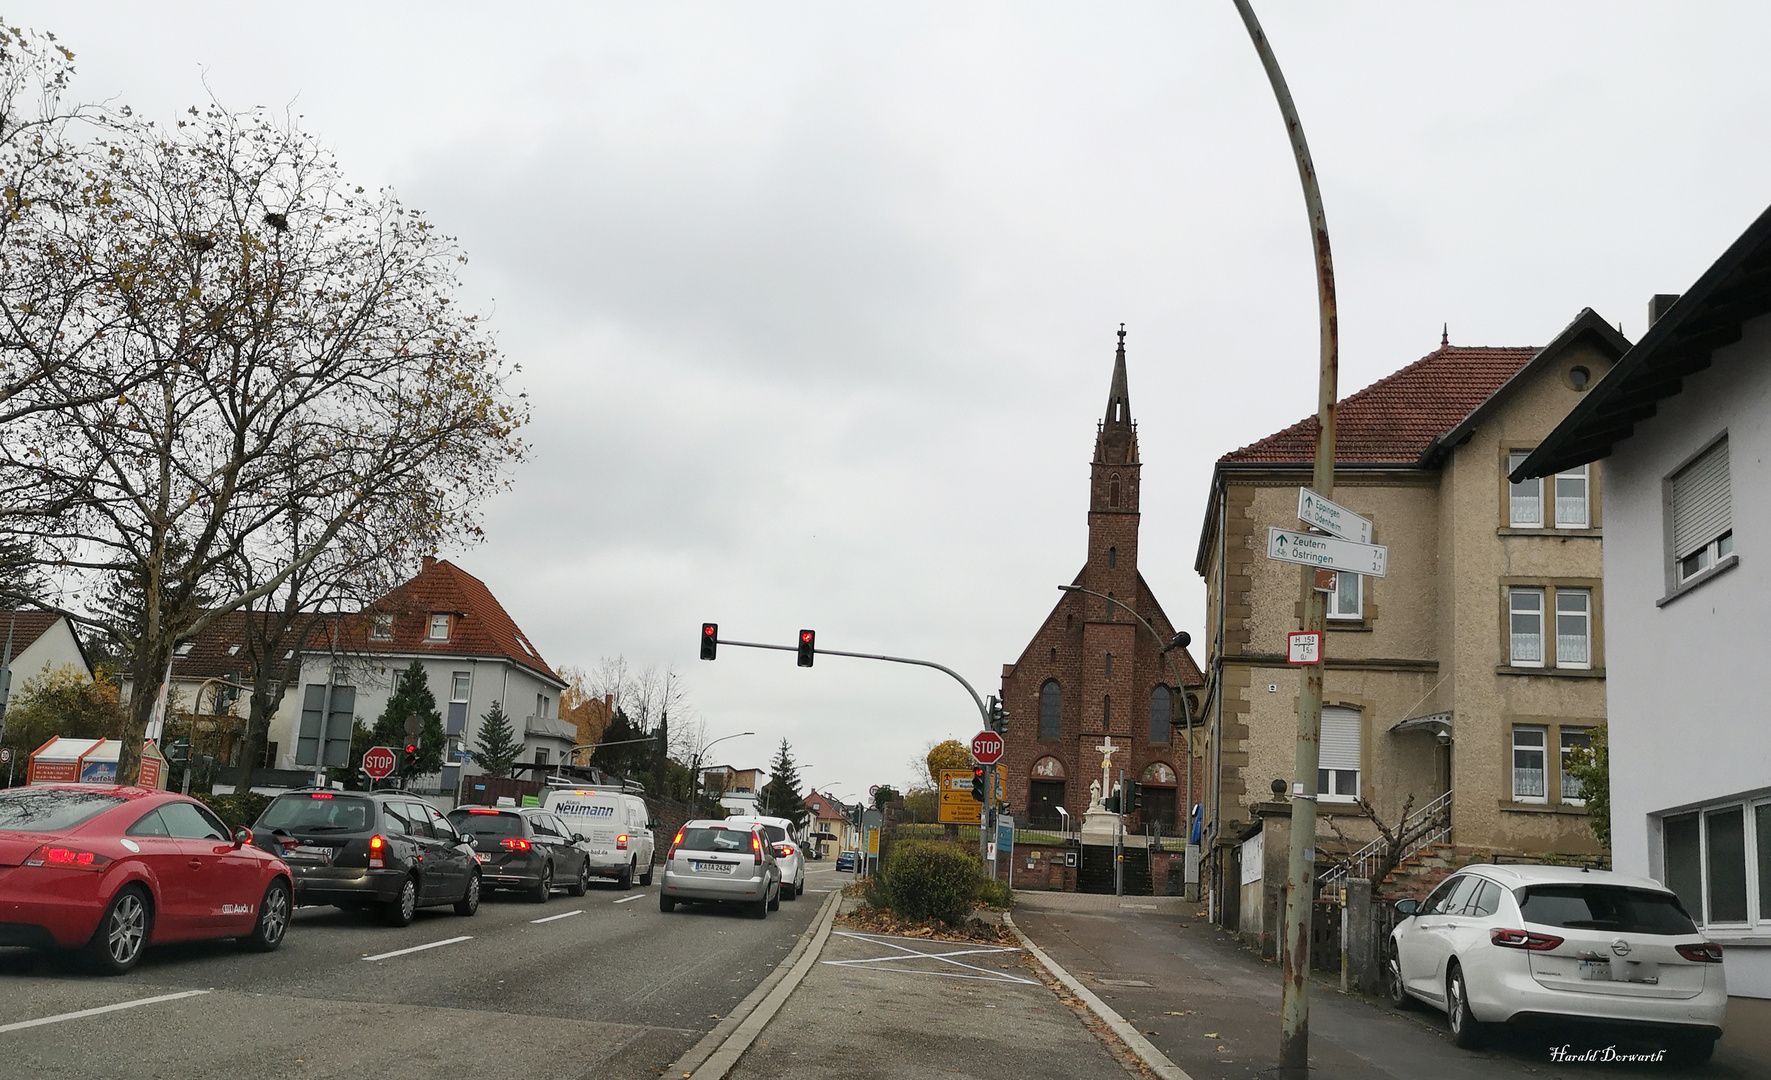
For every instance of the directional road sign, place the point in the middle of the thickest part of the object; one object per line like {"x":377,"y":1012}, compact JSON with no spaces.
{"x":1327,"y":552}
{"x":957,"y":805}
{"x":379,"y":762}
{"x":1332,"y":517}
{"x":986,"y":747}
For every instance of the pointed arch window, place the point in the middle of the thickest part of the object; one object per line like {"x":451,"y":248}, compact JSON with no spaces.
{"x":1113,"y":490}
{"x":1112,"y":557}
{"x":1161,"y":711}
{"x":1050,"y":700}
{"x":1106,"y":711}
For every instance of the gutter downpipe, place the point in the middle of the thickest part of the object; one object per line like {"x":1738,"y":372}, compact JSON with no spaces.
{"x":1217,"y":741}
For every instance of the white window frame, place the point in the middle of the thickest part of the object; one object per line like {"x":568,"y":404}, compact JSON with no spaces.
{"x":1330,"y":778}
{"x":431,"y":634}
{"x":1691,"y":556}
{"x":460,"y":685}
{"x":1515,"y":458}
{"x":1562,"y":737}
{"x":1582,"y":476}
{"x":1584,"y":617}
{"x":1337,"y":600}
{"x":381,"y":628}
{"x":1515,"y":612}
{"x":1542,"y":749}
{"x":1757,"y":914}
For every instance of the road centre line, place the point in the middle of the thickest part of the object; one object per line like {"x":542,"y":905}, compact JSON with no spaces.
{"x":420,"y":948}
{"x":22,"y":1024}
{"x":561,"y":915}
{"x":631,"y":899}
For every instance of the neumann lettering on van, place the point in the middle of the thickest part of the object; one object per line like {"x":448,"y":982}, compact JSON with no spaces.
{"x":583,"y":809}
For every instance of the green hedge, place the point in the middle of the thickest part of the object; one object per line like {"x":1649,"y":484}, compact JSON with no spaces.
{"x":236,"y":810}
{"x":930,"y":879}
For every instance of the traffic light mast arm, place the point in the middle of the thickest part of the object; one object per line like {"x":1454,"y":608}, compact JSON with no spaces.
{"x":983,"y":711}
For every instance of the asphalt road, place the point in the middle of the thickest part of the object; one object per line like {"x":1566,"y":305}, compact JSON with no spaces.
{"x":606,"y":986}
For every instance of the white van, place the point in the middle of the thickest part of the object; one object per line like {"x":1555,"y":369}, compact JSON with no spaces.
{"x":611,"y":824}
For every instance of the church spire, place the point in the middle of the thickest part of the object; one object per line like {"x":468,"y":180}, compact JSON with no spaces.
{"x":1116,"y":439}
{"x":1118,"y":397}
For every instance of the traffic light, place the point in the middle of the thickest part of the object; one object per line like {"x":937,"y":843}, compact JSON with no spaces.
{"x":1137,"y":796}
{"x":1112,"y":802}
{"x":410,"y":756}
{"x":998,"y":716}
{"x":709,"y":640}
{"x":807,"y":639}
{"x":979,"y":781}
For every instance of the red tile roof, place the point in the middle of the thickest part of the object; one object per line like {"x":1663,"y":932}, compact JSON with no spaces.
{"x":479,"y":625}
{"x":1394,"y":420}
{"x":208,"y":655}
{"x":26,"y":627}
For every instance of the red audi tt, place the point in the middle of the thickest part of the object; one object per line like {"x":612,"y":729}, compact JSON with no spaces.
{"x":108,"y":870}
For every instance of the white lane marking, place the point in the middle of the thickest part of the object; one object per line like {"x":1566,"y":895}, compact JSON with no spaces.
{"x":22,"y":1024}
{"x":904,"y":953}
{"x":817,"y":890}
{"x":561,"y":915}
{"x":631,"y":899}
{"x":420,"y":948}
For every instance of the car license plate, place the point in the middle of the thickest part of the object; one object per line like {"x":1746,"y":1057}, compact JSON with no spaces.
{"x":308,"y":852}
{"x":1596,"y":970}
{"x":715,"y":867}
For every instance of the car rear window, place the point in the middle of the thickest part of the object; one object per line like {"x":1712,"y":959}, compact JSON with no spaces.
{"x":496,"y":825}
{"x":51,"y":809}
{"x":715,"y":839}
{"x":1611,"y":908}
{"x":318,"y":812}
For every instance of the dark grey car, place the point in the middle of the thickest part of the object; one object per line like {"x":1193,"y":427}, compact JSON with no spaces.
{"x":526,"y":850}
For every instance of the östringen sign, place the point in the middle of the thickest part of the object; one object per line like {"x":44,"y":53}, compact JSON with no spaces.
{"x":1327,"y":552}
{"x":1332,"y":517}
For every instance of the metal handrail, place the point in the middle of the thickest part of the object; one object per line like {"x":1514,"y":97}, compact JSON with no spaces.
{"x":1429,"y":825}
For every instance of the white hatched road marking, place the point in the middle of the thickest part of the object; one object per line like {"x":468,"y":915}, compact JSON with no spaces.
{"x":22,"y":1024}
{"x":631,"y":899}
{"x":420,"y":948}
{"x":984,"y":974}
{"x":561,"y":915}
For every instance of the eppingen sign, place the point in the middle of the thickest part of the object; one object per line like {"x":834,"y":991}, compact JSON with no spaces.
{"x":1332,"y":517}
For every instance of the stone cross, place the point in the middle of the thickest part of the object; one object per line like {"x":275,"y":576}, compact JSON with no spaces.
{"x":1107,"y":750}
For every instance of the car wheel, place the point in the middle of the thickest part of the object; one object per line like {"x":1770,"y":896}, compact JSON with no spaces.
{"x":400,"y":909}
{"x":626,"y":878}
{"x":581,"y":884}
{"x":122,"y":933}
{"x":1466,"y":1032}
{"x":544,"y":887}
{"x":273,"y":918}
{"x":785,"y":892}
{"x":666,"y":904}
{"x":760,"y":909}
{"x":646,"y":878}
{"x":1394,"y":989}
{"x":470,"y":900}
{"x":775,"y":904}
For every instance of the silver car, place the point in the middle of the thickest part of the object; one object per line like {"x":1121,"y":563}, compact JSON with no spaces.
{"x":724,"y":862}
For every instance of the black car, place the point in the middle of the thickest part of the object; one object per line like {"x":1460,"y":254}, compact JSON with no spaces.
{"x":359,"y":850}
{"x":527,"y":850}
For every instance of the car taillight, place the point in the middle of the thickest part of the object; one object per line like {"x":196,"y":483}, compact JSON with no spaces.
{"x":1704,"y":952}
{"x":671,"y":854}
{"x":786,"y":849}
{"x":515,"y":843}
{"x":481,"y":810}
{"x":621,"y":842}
{"x":377,"y":853}
{"x":319,"y":795}
{"x":756,"y":844}
{"x":1523,"y":939}
{"x":66,"y":858}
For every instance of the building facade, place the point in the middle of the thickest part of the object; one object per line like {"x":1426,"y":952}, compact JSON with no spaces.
{"x":1476,"y":663}
{"x":1091,"y":670}
{"x":1682,"y":427}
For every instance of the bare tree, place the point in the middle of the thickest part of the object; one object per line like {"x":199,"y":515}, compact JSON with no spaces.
{"x":292,"y":327}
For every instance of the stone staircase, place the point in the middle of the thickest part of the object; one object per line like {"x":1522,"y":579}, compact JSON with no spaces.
{"x":1421,"y":872}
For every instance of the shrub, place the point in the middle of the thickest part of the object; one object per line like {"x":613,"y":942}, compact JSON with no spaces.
{"x":996,"y":894}
{"x":238,"y":809}
{"x":930,"y":879}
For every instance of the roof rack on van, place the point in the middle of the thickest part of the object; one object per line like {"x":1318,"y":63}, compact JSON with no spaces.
{"x":630,"y":787}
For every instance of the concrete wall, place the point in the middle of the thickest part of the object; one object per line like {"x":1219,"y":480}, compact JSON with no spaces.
{"x":1687,"y":709}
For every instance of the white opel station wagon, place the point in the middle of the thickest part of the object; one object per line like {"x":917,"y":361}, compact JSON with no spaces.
{"x":1500,"y":944}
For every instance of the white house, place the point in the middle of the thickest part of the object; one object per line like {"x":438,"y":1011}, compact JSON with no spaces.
{"x":41,"y":641}
{"x":1684,"y":425}
{"x":473,"y":654}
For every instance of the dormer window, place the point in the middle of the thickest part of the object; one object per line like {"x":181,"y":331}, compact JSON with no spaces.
{"x":439,"y":628}
{"x":383,"y":627}
{"x":184,"y":648}
{"x":233,"y":650}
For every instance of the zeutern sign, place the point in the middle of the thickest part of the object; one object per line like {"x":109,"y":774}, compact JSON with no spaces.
{"x":378,"y":762}
{"x":986,"y":747}
{"x":1327,"y":552}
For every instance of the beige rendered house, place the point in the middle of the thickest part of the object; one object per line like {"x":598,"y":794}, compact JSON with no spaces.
{"x":1476,"y":663}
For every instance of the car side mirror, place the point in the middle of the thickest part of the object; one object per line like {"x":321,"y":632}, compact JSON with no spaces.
{"x":654,"y":823}
{"x":1407,"y":907}
{"x":242,"y":836}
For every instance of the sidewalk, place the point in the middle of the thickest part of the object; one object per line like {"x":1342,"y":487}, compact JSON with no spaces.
{"x":1212,"y":1006}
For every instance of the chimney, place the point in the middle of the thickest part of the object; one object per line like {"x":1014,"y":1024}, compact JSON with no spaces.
{"x":430,"y":562}
{"x":1659,"y":304}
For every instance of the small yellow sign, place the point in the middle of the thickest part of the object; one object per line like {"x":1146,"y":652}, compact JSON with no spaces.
{"x":957,"y":806}
{"x":873,"y":841}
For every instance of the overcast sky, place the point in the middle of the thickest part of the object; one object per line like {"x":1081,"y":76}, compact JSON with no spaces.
{"x":816,"y":302}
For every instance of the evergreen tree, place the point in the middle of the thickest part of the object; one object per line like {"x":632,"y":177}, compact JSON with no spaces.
{"x":780,"y":796}
{"x":412,"y":697}
{"x":496,"y":748}
{"x":617,"y":752}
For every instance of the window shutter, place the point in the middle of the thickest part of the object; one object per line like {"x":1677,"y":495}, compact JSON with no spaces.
{"x":1701,"y":507}
{"x":1340,"y":738}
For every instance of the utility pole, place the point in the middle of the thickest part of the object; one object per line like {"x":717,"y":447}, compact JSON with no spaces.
{"x":1294,"y":1001}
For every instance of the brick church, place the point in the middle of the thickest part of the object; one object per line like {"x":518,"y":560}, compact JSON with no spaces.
{"x":1091,"y":670}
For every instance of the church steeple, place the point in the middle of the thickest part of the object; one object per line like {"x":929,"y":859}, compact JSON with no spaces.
{"x":1118,"y":397}
{"x":1116,"y":440}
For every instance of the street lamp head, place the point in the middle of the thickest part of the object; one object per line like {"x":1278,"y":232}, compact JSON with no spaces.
{"x":1181,"y":641}
{"x":1069,"y":588}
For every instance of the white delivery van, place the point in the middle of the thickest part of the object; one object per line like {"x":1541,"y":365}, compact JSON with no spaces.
{"x":612,"y":825}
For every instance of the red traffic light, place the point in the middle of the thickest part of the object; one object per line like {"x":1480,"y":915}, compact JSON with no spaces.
{"x":411,"y":748}
{"x":807,"y":641}
{"x":709,"y":640}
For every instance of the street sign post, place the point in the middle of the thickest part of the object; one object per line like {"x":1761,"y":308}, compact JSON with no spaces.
{"x":1326,"y":552}
{"x":1303,"y":647}
{"x":956,"y":806}
{"x":986,"y":747}
{"x":1332,"y":517}
{"x":378,"y":762}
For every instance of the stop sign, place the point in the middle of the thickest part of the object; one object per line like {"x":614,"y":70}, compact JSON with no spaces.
{"x":379,"y":761}
{"x":986,"y":747}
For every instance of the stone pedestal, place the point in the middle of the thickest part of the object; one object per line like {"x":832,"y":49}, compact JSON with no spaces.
{"x":1100,"y":826}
